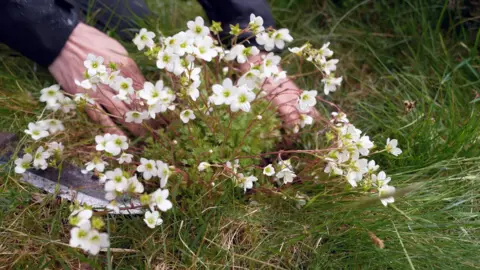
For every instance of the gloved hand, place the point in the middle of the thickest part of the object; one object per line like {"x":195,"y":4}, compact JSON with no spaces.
{"x":68,"y":66}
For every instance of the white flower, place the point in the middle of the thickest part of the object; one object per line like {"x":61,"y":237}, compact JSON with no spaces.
{"x":343,"y":156}
{"x":197,"y":28}
{"x":22,"y":164}
{"x":96,"y":241}
{"x":269,"y":170}
{"x":372,"y":166}
{"x":112,"y":194}
{"x":333,"y":168}
{"x":94,"y":65}
{"x":116,"y":144}
{"x":204,"y":49}
{"x":187,"y":115}
{"x":167,"y":60}
{"x":270,"y":64}
{"x":350,"y":133}
{"x":40,"y":158}
{"x":113,"y":205}
{"x":97,"y":164}
{"x":51,"y":95}
{"x":79,"y":235}
{"x":386,"y":194}
{"x":81,"y":98}
{"x":37,"y":131}
{"x":279,"y":77}
{"x":163,"y":171}
{"x":111,"y":79}
{"x":85,"y":84}
{"x":381,"y":179}
{"x":159,"y":199}
{"x":102,"y":141}
{"x":125,"y":158}
{"x":287,"y":175}
{"x":328,"y":66}
{"x":193,"y":91}
{"x":180,"y":44}
{"x":203,"y":166}
{"x":234,"y":52}
{"x":325,"y":51}
{"x":305,"y":119}
{"x":117,"y":181}
{"x":66,"y":105}
{"x":166,"y":98}
{"x":246,"y":182}
{"x":250,"y":78}
{"x":134,"y":185}
{"x":307,"y":100}
{"x":266,"y":40}
{"x":281,"y":36}
{"x":194,"y":74}
{"x":223,"y":94}
{"x":55,"y":147}
{"x":274,"y":39}
{"x":364,"y":145}
{"x":242,"y":99}
{"x":356,"y":171}
{"x":331,"y":84}
{"x":124,"y":86}
{"x":224,"y":71}
{"x":152,"y":219}
{"x":256,"y":24}
{"x":297,"y":50}
{"x":52,"y":125}
{"x":80,"y":216}
{"x":136,"y":117}
{"x":102,"y":178}
{"x":150,"y":93}
{"x":148,"y":167}
{"x":144,"y":38}
{"x":241,"y":53}
{"x":53,"y":106}
{"x":392,"y":147}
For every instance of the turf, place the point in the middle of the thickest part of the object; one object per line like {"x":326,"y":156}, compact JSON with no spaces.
{"x":390,"y":52}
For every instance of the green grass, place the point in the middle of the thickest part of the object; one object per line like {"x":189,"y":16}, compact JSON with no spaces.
{"x":389,"y":53}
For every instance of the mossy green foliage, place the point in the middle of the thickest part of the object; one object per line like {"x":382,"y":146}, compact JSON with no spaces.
{"x":217,"y":137}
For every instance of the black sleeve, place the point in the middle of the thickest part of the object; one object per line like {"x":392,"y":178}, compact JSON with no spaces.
{"x":237,"y":11}
{"x":37,"y":28}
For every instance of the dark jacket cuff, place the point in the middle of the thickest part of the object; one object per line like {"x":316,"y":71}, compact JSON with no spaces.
{"x":38,"y":29}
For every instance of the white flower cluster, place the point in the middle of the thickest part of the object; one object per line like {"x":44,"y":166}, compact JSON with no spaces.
{"x":111,"y":143}
{"x":284,"y":175}
{"x":185,"y":56}
{"x":285,"y":172}
{"x":346,"y":160}
{"x":119,"y":182}
{"x":274,"y":39}
{"x":56,"y":100}
{"x":85,"y":234}
{"x":44,"y":128}
{"x":320,"y":59}
{"x":39,"y":160}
